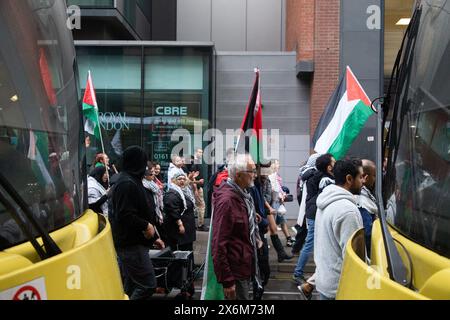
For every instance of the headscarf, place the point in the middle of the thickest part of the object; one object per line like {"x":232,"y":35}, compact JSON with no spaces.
{"x":98,"y":174}
{"x":311,"y":163}
{"x":182,"y":192}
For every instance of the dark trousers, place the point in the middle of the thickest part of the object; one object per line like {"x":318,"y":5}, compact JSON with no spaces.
{"x":300,"y":237}
{"x":264,"y":268}
{"x":137,"y":272}
{"x":242,"y":289}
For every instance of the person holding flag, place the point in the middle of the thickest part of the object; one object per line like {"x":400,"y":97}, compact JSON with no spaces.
{"x":235,"y":233}
{"x":223,"y":277}
{"x":90,"y":112}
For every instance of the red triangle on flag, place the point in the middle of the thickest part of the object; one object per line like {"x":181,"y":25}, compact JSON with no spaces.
{"x":89,"y":94}
{"x":354,"y":89}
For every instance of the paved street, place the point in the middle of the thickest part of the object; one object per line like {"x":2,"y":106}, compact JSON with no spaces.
{"x":280,"y":286}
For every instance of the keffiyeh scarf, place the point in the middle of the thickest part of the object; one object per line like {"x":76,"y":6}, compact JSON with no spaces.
{"x":157,"y":196}
{"x":183,"y":193}
{"x":254,"y":231}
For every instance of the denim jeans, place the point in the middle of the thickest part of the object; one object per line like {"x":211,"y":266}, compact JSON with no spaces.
{"x":324,"y":298}
{"x":279,"y":219}
{"x":307,"y":249}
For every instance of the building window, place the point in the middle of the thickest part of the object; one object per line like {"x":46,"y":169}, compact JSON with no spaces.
{"x":175,"y":94}
{"x":116,"y":74}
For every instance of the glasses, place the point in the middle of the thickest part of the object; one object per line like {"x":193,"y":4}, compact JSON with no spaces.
{"x":251,"y":171}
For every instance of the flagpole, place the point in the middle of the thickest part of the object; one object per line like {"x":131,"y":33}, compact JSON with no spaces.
{"x":99,"y":126}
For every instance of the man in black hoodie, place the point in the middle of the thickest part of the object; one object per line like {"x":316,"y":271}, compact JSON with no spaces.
{"x":132,"y":223}
{"x":314,"y":186}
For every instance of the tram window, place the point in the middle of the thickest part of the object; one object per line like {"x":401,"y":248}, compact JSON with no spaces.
{"x":9,"y":231}
{"x":417,"y":186}
{"x":40,"y":132}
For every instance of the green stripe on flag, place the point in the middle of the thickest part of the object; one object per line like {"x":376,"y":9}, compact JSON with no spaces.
{"x":91,"y":115}
{"x":255,"y":149}
{"x":350,"y":130}
{"x":211,"y":290}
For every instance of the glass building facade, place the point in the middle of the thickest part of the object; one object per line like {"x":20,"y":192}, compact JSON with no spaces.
{"x":147,"y":91}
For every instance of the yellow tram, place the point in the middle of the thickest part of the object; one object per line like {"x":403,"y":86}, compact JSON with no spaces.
{"x":410,"y":247}
{"x":51,"y":246}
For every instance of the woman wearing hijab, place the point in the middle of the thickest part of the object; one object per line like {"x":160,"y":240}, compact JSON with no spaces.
{"x":97,"y":191}
{"x":179,"y":224}
{"x":179,"y":214}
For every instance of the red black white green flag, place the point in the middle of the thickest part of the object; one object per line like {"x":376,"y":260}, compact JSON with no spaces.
{"x":345,"y":115}
{"x":90,"y":110}
{"x":252,"y":122}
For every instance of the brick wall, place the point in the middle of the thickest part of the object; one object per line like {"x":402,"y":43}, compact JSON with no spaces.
{"x":313,"y":29}
{"x":326,"y":56}
{"x":300,"y":28}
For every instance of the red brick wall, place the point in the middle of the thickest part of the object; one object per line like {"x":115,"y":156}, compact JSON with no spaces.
{"x":300,"y":28}
{"x":313,"y":29}
{"x":326,"y":56}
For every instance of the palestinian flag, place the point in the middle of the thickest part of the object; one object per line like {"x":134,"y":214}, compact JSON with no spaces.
{"x":345,"y":115}
{"x":90,"y":110}
{"x":252,"y":122}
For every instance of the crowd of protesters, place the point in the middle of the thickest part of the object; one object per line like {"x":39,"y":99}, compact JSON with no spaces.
{"x":147,"y":212}
{"x":335,"y":198}
{"x":248,"y":206}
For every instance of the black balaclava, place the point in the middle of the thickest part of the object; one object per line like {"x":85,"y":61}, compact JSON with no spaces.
{"x":135,"y":162}
{"x":98,"y":173}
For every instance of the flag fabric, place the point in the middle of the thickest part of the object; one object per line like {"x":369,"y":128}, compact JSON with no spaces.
{"x":47,"y":78}
{"x":253,"y":121}
{"x":345,"y":115}
{"x":90,"y":109}
{"x":39,"y":141}
{"x":211,"y":289}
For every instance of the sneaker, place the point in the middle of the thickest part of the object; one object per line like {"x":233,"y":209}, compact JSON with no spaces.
{"x":284,"y":256}
{"x":290,"y":242}
{"x":299,"y":280}
{"x":203,"y":228}
{"x":304,"y":292}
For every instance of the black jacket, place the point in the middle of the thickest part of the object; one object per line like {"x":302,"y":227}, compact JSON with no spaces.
{"x":312,"y":185}
{"x":173,"y":207}
{"x":131,"y":212}
{"x":151,"y":203}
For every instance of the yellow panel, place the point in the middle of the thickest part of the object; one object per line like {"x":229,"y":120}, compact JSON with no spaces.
{"x":10,"y":262}
{"x":87,"y":271}
{"x":360,"y":281}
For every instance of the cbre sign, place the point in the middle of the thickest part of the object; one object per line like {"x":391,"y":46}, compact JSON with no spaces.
{"x":176,"y":109}
{"x":171,"y":111}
